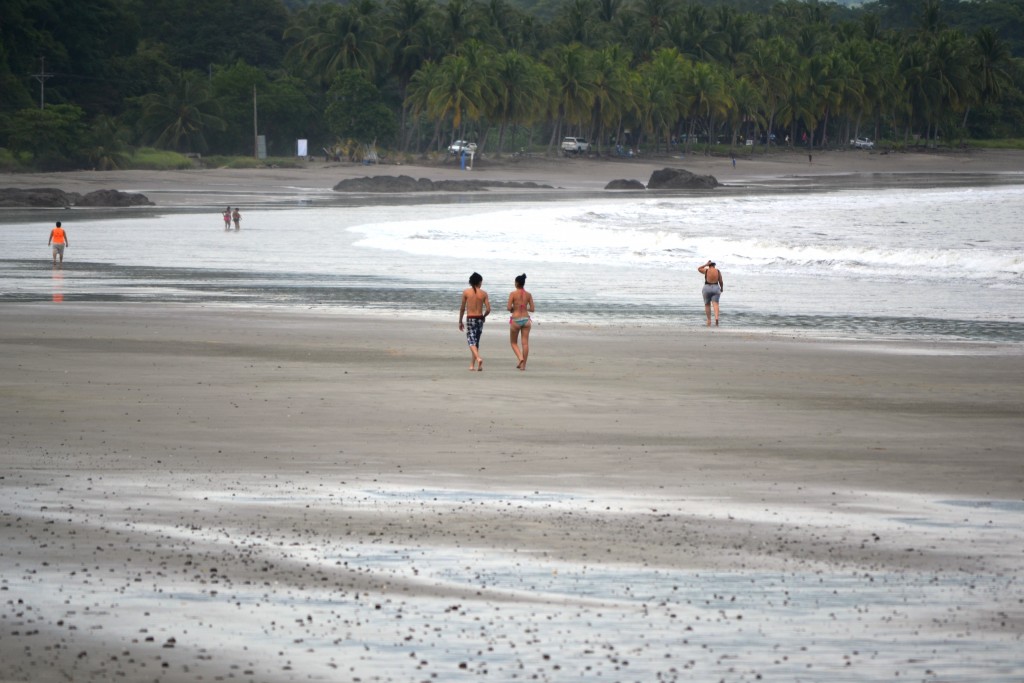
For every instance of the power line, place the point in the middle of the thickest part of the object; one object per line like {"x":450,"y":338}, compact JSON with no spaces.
{"x":41,"y":77}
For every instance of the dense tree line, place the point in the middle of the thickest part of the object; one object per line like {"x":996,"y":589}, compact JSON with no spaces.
{"x":83,"y":82}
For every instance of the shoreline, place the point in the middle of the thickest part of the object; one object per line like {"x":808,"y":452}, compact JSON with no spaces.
{"x":209,"y":188}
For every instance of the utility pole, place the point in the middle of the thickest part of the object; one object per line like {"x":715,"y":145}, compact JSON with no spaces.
{"x":41,"y":77}
{"x":255,"y":135}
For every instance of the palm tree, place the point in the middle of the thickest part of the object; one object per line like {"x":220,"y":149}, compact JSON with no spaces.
{"x":573,"y":69}
{"x":177,"y":117}
{"x":747,"y":106}
{"x":330,"y":38}
{"x":613,"y":90}
{"x":709,"y":98}
{"x":409,"y":32}
{"x":518,"y":92}
{"x":665,"y":78}
{"x":108,"y":146}
{"x":423,"y":83}
{"x":769,"y":66}
{"x":458,"y":92}
{"x":991,"y":59}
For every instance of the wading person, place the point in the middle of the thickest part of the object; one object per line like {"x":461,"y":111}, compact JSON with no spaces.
{"x":58,"y":240}
{"x":714,"y":285}
{"x":520,"y":306}
{"x":476,"y":306}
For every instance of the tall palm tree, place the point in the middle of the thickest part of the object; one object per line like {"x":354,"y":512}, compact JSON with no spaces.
{"x":459,"y":93}
{"x":518,"y":92}
{"x":991,"y":60}
{"x":613,"y":90}
{"x":422,"y":85}
{"x":178,"y":116}
{"x":573,"y":69}
{"x":769,"y":65}
{"x":747,"y":107}
{"x":330,"y":38}
{"x":664,"y":104}
{"x":709,"y":100}
{"x":410,"y":32}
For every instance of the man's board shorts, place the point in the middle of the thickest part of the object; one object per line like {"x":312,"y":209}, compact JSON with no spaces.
{"x":711,"y":293}
{"x":58,"y":248}
{"x":474,"y":328}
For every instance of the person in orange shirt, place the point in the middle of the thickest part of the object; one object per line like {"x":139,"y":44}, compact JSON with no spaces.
{"x":59,"y":240}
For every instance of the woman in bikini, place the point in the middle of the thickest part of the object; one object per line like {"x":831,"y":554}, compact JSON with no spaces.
{"x":520,"y":306}
{"x":714,"y":285}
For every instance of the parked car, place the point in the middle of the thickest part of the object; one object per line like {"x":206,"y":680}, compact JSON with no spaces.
{"x":575,"y":146}
{"x":460,"y":146}
{"x":862,"y":143}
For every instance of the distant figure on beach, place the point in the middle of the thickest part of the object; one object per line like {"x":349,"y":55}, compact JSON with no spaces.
{"x":476,"y":306}
{"x":236,"y":217}
{"x":714,"y":285}
{"x":227,"y":218}
{"x":59,"y":240}
{"x":520,"y":306}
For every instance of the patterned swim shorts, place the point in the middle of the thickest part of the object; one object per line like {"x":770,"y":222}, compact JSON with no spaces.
{"x":474,"y":328}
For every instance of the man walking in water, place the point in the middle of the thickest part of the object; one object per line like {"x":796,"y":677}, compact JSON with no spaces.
{"x":714,"y":285}
{"x":59,"y":240}
{"x":475,"y":307}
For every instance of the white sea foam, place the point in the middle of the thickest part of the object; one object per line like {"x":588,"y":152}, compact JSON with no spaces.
{"x":859,"y":263}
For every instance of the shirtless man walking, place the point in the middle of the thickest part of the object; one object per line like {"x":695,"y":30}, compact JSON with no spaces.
{"x":476,"y":306}
{"x":714,"y":285}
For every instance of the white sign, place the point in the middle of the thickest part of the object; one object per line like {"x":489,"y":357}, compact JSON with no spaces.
{"x":303,"y":148}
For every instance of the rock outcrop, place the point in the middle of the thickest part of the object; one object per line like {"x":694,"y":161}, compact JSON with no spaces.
{"x":52,"y":197}
{"x":679,"y":179}
{"x":36,"y":196}
{"x":623,"y":184}
{"x":404,"y":183}
{"x":113,"y":198}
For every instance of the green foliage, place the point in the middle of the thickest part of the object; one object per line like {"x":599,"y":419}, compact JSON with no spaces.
{"x":149,"y":159}
{"x":1000,"y":143}
{"x":180,"y":117}
{"x":505,"y":73}
{"x":239,"y":162}
{"x":284,"y":110}
{"x":52,"y":132}
{"x":196,"y":35}
{"x":356,"y":111}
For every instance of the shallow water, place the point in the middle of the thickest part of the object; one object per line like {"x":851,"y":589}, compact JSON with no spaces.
{"x":866,"y":263}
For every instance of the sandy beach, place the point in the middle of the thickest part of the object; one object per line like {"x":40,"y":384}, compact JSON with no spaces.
{"x":201,"y":188}
{"x":196,"y":493}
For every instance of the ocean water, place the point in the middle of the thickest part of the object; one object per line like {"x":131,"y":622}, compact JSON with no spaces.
{"x":886,"y":264}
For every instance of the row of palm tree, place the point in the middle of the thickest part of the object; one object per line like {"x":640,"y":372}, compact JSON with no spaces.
{"x":652,"y":68}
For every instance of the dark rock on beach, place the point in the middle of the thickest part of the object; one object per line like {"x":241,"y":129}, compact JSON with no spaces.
{"x":679,"y":179}
{"x":623,"y":184}
{"x":36,"y":196}
{"x":113,"y":198}
{"x":404,"y":183}
{"x":50,"y":197}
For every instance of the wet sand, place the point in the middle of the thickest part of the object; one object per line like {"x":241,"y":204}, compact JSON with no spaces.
{"x":197,"y":493}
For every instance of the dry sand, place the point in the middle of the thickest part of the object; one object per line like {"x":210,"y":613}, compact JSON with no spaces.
{"x":194,"y":493}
